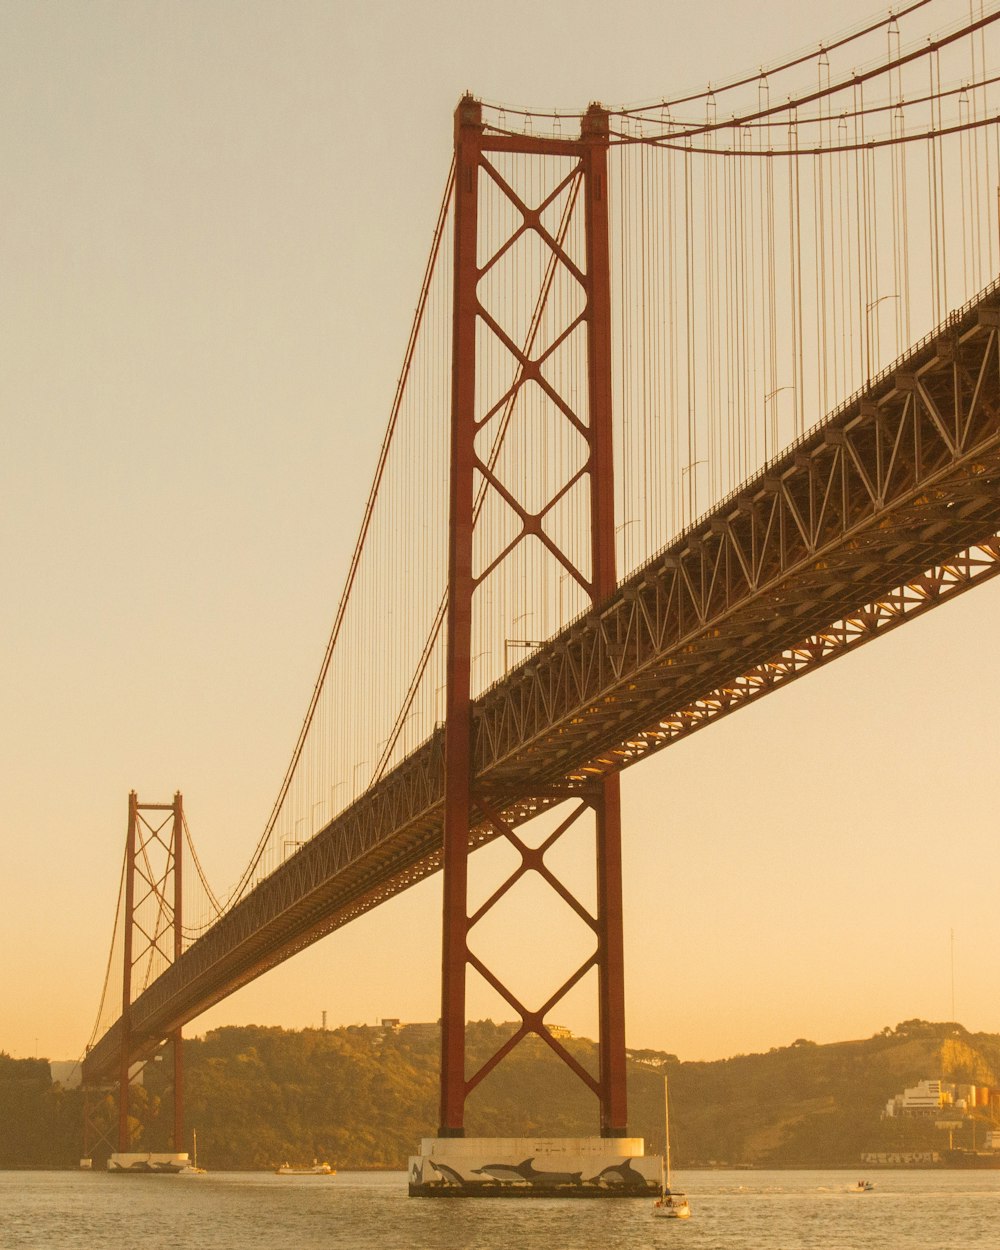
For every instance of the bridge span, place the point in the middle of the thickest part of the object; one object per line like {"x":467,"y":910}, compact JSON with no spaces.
{"x":886,"y":508}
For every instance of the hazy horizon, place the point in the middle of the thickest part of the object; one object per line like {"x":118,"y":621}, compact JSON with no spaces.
{"x":330,"y":1027}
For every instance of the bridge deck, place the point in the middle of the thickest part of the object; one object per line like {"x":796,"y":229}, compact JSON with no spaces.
{"x":854,"y":529}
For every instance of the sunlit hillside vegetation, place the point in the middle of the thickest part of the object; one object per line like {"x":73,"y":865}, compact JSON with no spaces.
{"x":363,"y":1097}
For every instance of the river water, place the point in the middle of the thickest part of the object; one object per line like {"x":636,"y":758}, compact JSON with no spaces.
{"x":750,"y":1210}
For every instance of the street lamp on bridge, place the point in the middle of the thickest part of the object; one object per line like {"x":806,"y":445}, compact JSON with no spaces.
{"x":869,"y":309}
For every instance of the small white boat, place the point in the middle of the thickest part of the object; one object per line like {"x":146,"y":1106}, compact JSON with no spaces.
{"x":862,"y":1187}
{"x":669,"y":1205}
{"x":193,"y":1169}
{"x":317,"y":1169}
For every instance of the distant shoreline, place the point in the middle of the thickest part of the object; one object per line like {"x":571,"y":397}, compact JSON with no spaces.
{"x":694,"y":1167}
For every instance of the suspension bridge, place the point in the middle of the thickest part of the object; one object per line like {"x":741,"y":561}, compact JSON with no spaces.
{"x":699,"y":396}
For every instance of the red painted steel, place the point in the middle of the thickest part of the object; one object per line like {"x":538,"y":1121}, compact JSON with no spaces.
{"x":176,"y":1038}
{"x":611,"y":958}
{"x":607,"y":802}
{"x":126,"y":1039}
{"x":99,"y":1122}
{"x":462,"y":800}
{"x":155,"y":865}
{"x":594,"y":154}
{"x":458,"y":725}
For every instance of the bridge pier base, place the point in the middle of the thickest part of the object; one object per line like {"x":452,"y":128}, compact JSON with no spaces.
{"x":147,"y":1162}
{"x":533,"y":1167}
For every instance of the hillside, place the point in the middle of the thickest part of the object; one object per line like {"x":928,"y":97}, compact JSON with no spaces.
{"x":821,"y":1105}
{"x":363,"y":1097}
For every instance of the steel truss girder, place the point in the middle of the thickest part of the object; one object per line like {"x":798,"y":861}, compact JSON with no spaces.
{"x":797,"y":548}
{"x":901,"y":604}
{"x":777,"y":569}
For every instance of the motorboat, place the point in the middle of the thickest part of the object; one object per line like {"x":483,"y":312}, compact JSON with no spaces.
{"x":317,"y":1169}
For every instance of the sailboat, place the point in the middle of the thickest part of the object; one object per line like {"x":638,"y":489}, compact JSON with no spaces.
{"x":192,"y":1168}
{"x":669,"y":1205}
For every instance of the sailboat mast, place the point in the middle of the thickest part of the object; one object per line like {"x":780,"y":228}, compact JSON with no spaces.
{"x":666,"y":1128}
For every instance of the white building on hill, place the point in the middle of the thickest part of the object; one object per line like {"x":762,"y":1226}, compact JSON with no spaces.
{"x":924,"y":1099}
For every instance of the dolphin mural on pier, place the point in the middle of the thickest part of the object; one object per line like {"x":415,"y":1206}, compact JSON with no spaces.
{"x":512,"y":1174}
{"x":621,"y":1175}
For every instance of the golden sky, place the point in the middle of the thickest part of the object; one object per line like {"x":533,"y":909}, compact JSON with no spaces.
{"x":215,"y":216}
